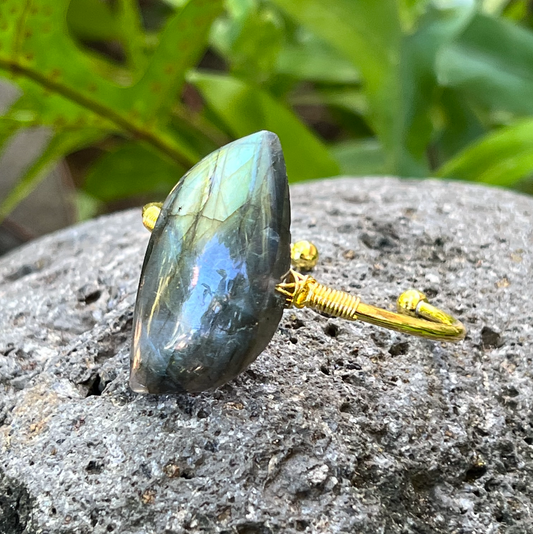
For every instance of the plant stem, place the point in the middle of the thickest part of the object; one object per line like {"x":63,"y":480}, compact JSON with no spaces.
{"x":160,"y":141}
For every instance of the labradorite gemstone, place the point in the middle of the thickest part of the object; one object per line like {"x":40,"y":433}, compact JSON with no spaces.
{"x":207,"y":305}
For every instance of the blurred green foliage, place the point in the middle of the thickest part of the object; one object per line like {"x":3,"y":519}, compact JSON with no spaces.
{"x":403,"y":87}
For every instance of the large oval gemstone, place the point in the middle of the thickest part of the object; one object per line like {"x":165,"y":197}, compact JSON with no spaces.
{"x":207,"y":305}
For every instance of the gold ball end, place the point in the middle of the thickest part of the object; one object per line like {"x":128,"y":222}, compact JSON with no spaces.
{"x":304,"y":255}
{"x":150,"y":214}
{"x":409,"y":300}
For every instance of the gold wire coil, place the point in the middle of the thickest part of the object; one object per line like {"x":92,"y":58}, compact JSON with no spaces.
{"x":306,"y":292}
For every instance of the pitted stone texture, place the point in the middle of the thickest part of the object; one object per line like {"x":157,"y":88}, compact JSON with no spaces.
{"x":337,"y":427}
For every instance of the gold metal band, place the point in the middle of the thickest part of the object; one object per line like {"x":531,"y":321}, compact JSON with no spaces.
{"x":415,"y":315}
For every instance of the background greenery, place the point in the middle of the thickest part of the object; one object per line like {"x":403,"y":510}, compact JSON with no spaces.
{"x":136,"y":91}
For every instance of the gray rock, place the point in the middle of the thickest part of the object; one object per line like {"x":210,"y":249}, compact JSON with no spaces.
{"x":337,"y":427}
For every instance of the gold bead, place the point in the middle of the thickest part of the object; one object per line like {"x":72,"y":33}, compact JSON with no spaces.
{"x":150,"y":214}
{"x":409,"y":301}
{"x":304,"y":255}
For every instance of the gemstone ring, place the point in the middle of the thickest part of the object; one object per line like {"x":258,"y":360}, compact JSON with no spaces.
{"x":217,"y":275}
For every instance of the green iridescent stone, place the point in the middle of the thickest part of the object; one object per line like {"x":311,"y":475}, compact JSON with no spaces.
{"x":207,"y":305}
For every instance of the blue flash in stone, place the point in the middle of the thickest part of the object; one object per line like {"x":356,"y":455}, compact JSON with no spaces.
{"x":207,"y":305}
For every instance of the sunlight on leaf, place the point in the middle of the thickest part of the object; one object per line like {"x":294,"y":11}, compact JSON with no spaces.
{"x":492,"y":64}
{"x":500,"y":158}
{"x":66,"y":86}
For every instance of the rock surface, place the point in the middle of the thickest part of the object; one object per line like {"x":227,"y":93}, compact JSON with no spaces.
{"x":338,"y":427}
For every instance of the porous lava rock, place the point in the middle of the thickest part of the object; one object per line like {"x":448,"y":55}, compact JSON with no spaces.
{"x":338,"y":427}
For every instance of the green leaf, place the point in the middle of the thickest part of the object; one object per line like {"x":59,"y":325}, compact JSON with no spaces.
{"x":461,"y":125}
{"x":66,"y":89}
{"x":353,"y":100}
{"x":360,"y":158}
{"x":246,"y":109}
{"x":60,"y":144}
{"x":181,"y":44}
{"x":175,"y":3}
{"x":399,"y":83}
{"x":312,"y":59}
{"x":517,"y":10}
{"x":132,"y":36}
{"x":86,"y":206}
{"x":419,"y":85}
{"x":410,"y":12}
{"x":8,"y":128}
{"x":133,"y":169}
{"x":368,"y":34}
{"x":494,"y":7}
{"x":92,"y":20}
{"x":40,"y":107}
{"x":250,"y":37}
{"x":500,"y":158}
{"x":492,"y":64}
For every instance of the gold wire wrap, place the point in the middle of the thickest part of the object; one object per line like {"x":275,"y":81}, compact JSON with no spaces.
{"x":334,"y":302}
{"x":415,"y":315}
{"x":306,"y":292}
